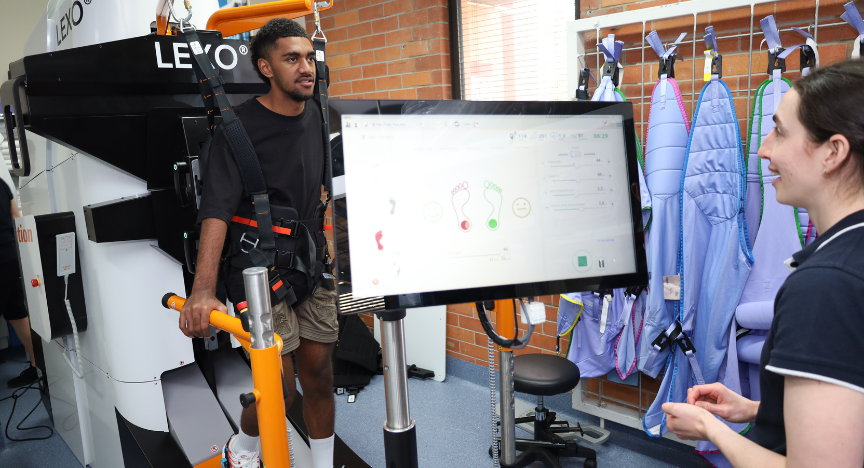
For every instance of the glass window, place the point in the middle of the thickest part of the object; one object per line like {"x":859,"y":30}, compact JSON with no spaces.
{"x":510,"y":49}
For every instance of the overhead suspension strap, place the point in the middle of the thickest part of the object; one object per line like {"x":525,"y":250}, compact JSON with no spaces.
{"x":667,"y":61}
{"x":322,"y":95}
{"x":776,"y":59}
{"x":582,"y":89}
{"x":667,"y":54}
{"x":612,"y":52}
{"x":713,"y":59}
{"x":808,"y":51}
{"x":613,"y":72}
{"x":321,"y":91}
{"x":853,"y":17}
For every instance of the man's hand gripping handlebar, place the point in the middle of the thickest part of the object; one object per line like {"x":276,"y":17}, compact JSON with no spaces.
{"x":195,"y":315}
{"x":217,"y":318}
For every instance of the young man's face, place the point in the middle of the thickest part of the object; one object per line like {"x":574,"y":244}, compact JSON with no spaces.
{"x":291,"y":67}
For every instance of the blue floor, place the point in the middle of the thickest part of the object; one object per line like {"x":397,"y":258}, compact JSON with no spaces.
{"x":453,"y":425}
{"x":51,"y":452}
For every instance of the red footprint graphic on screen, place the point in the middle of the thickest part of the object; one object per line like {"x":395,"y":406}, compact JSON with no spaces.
{"x":461,"y":195}
{"x":378,"y":236}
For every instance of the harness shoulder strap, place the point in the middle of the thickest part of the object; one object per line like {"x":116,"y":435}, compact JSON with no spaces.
{"x":212,"y":86}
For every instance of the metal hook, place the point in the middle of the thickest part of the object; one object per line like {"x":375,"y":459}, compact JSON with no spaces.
{"x":318,"y":30}
{"x":180,"y":22}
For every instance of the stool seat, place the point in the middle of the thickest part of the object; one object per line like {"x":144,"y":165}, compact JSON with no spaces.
{"x":544,"y":374}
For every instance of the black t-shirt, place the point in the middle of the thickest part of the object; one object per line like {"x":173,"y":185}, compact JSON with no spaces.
{"x":290,"y":151}
{"x":8,"y":249}
{"x":818,"y":327}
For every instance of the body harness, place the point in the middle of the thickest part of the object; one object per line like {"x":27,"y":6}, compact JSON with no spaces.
{"x":294,"y":251}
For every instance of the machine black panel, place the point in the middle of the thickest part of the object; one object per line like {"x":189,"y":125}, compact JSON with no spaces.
{"x":109,"y":138}
{"x":126,"y":219}
{"x":47,"y":229}
{"x":96,"y":99}
{"x":170,"y":217}
{"x":143,"y":448}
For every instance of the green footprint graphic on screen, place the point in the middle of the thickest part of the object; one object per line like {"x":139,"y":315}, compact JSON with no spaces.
{"x":492,"y":194}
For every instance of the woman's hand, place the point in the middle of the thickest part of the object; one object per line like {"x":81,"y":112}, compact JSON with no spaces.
{"x":717,"y":399}
{"x":690,"y":422}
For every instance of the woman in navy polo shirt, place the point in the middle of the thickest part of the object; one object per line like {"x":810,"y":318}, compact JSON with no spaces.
{"x":812,"y":365}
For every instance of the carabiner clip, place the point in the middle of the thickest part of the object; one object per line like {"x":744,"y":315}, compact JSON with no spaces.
{"x":318,"y":29}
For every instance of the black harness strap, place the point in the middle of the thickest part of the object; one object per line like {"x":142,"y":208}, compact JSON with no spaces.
{"x":253,"y":179}
{"x":324,"y":100}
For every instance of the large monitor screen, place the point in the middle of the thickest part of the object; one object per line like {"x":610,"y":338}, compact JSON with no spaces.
{"x":463,"y":201}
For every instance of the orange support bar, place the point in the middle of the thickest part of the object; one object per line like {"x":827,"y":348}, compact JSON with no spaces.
{"x":238,"y":20}
{"x":505,"y":320}
{"x":267,"y":376}
{"x":270,"y":405}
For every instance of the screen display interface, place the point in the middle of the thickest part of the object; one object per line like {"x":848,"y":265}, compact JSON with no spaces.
{"x":447,"y":202}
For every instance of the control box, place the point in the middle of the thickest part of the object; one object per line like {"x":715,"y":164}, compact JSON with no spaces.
{"x":48,"y":252}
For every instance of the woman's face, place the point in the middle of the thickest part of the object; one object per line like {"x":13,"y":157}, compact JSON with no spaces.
{"x":791,"y":156}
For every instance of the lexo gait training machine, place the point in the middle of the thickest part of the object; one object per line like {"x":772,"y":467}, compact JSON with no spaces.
{"x":108,"y":111}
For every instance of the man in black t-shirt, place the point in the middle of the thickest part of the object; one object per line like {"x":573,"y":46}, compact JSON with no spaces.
{"x":287,"y":136}
{"x":12,"y":306}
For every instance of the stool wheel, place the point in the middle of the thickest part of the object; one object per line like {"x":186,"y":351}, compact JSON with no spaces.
{"x":590,"y":463}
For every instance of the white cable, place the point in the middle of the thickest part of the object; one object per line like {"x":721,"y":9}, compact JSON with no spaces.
{"x":290,"y":445}
{"x":77,"y":372}
{"x":492,"y":389}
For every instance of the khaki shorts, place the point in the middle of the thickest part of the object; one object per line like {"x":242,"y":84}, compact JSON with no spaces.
{"x":314,"y":319}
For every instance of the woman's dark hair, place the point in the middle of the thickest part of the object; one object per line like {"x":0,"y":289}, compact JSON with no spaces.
{"x":831,"y":102}
{"x":265,"y":41}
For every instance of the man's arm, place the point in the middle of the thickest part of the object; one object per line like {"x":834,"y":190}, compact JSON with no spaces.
{"x":195,"y":315}
{"x":15,"y":212}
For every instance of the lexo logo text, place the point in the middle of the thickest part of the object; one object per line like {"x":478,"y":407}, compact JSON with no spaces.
{"x":181,"y":58}
{"x":24,"y":235}
{"x":71,"y":18}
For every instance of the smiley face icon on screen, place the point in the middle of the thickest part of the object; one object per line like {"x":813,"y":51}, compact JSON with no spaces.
{"x":432,"y":212}
{"x":521,"y":207}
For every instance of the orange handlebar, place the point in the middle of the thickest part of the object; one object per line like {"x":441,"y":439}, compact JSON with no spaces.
{"x":219,"y":320}
{"x":268,"y":385}
{"x":238,"y":20}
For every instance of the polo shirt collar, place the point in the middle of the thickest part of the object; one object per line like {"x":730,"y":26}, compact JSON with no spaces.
{"x":799,"y":257}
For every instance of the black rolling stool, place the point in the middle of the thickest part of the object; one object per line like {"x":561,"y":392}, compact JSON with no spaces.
{"x":547,"y":375}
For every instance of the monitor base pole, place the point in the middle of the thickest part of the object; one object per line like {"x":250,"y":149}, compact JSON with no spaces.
{"x":400,"y":437}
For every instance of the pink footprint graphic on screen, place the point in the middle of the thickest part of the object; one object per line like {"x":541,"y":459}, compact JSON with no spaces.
{"x":461,"y":195}
{"x":378,"y":236}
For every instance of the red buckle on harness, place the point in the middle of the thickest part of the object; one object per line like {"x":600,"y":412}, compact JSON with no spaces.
{"x":253,"y":223}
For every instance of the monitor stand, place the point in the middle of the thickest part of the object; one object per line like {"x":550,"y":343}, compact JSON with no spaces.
{"x":400,"y":436}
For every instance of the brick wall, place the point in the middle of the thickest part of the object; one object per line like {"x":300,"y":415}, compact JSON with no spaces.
{"x":397,"y":49}
{"x":465,"y":338}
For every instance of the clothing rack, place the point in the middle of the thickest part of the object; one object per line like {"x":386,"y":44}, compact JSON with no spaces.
{"x":582,"y":52}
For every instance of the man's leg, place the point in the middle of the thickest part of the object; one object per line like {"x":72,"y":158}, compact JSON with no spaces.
{"x":315,"y":369}
{"x":249,"y":416}
{"x":22,"y":329}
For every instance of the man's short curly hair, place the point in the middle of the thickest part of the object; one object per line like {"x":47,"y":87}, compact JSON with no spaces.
{"x":265,"y":41}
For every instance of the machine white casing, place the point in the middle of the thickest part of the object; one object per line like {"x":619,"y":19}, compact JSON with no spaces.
{"x":130,"y":340}
{"x":31,"y":269}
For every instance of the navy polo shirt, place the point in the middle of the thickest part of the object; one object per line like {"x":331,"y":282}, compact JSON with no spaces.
{"x":818,"y":327}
